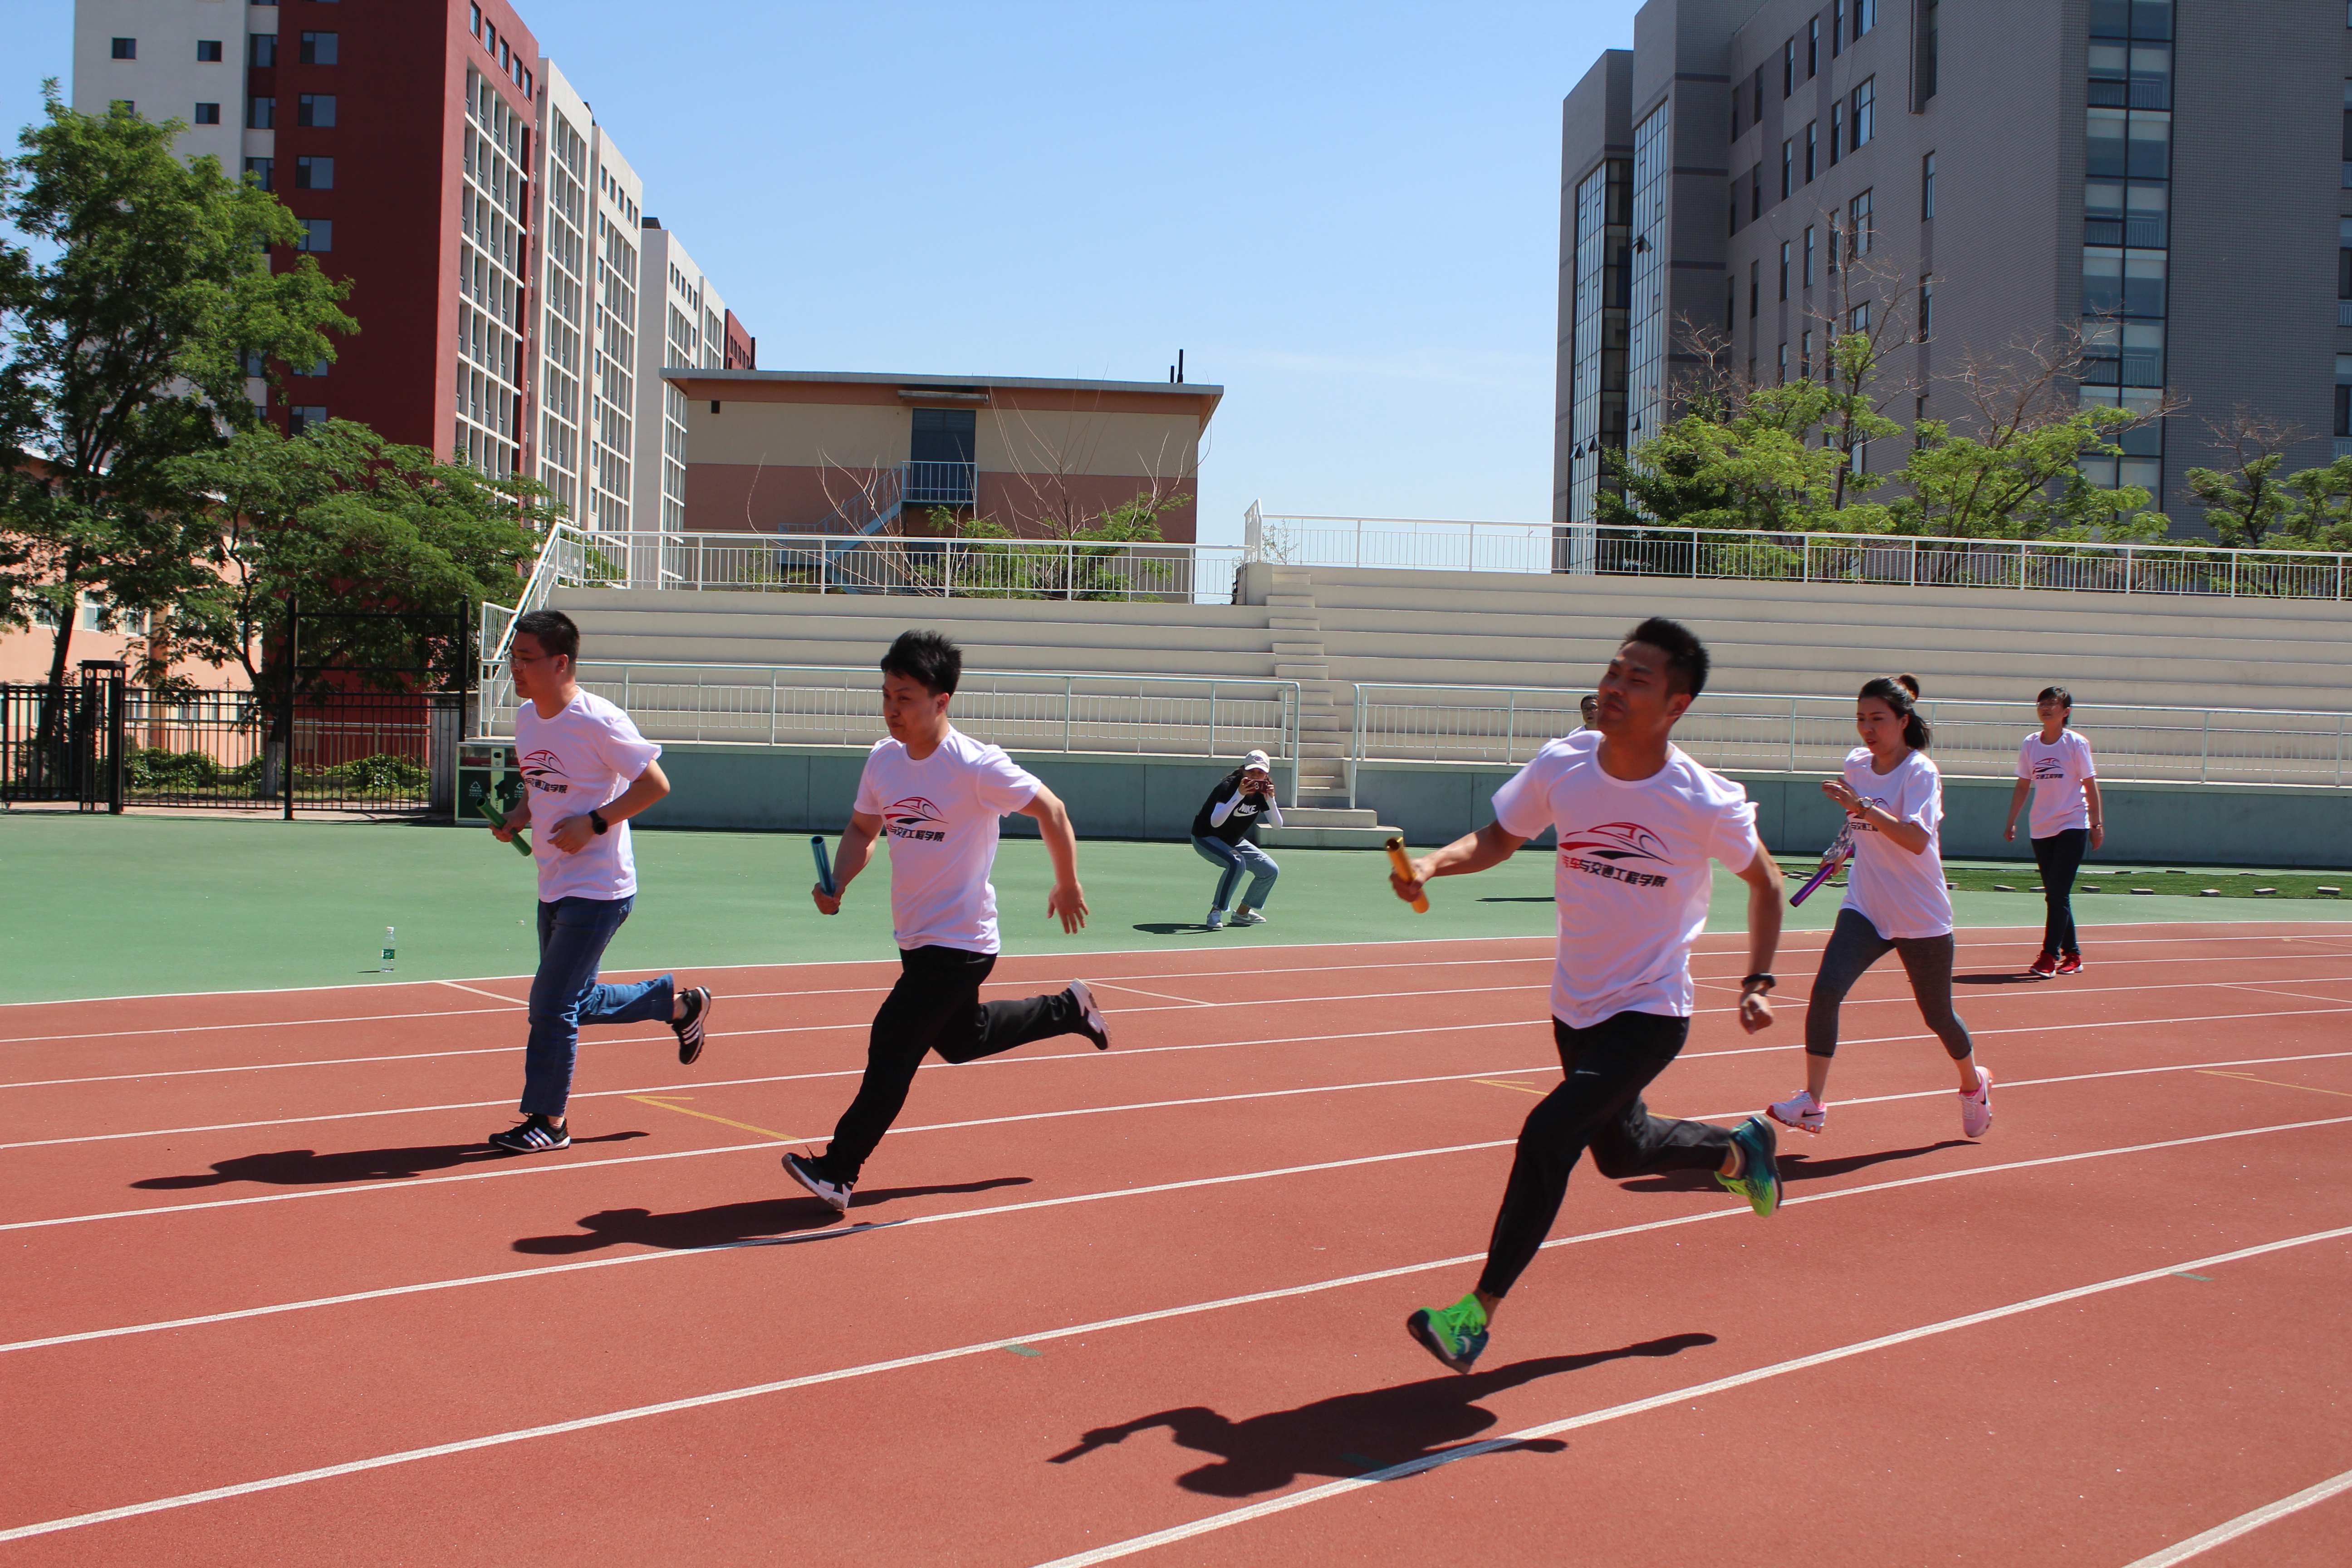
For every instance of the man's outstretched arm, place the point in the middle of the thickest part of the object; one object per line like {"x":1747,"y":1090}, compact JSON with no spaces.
{"x":1490,"y":845}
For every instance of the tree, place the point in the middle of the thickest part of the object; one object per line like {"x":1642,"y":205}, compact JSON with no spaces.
{"x":2252,"y":500}
{"x":130,"y":338}
{"x":349,"y":521}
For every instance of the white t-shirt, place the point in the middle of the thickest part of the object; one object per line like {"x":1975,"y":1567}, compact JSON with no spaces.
{"x":2057,"y":772}
{"x":584,"y":757}
{"x":939,"y":817}
{"x":1900,"y":893}
{"x":1631,"y":879}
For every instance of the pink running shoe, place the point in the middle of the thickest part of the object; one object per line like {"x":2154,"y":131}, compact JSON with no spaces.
{"x":1802,"y":1111}
{"x":1976,"y":1109}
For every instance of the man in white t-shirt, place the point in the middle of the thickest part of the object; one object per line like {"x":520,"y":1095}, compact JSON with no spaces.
{"x":1638,"y":823}
{"x":585,"y":771}
{"x":937,"y":794}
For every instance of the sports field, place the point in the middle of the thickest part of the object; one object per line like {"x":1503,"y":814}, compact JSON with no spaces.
{"x":272,"y":1301}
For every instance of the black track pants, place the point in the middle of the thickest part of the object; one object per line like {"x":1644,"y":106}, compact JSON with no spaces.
{"x":2060,"y":856}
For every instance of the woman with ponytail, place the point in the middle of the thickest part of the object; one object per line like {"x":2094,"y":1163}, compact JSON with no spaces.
{"x":2055,"y":763}
{"x":1896,"y":901}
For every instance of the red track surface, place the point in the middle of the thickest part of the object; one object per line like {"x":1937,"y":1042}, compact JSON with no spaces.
{"x":1046,"y":1238}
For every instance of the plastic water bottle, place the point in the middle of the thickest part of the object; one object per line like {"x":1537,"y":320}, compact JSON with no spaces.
{"x":387,"y":950}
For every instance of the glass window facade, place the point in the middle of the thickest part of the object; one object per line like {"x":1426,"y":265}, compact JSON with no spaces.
{"x":1648,"y":327}
{"x":1597,"y":345}
{"x":2127,"y":228}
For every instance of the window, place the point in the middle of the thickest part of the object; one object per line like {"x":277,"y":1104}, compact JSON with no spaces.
{"x":262,"y":172}
{"x":126,"y":48}
{"x":261,"y":114}
{"x":317,"y":368}
{"x":2114,"y":213}
{"x":1837,"y":29}
{"x":1813,"y":48}
{"x":2344,"y":394}
{"x":1926,"y":308}
{"x":318,"y":235}
{"x":1784,"y":365}
{"x":1735,"y":114}
{"x":261,"y":49}
{"x":254,"y":366}
{"x":1756,"y":192}
{"x":1813,"y":149}
{"x":476,"y":10}
{"x":1730,"y":303}
{"x":1927,"y":187}
{"x":207,"y":114}
{"x":1787,"y":75}
{"x":1924,"y":73}
{"x":319,"y":49}
{"x":1858,"y":319}
{"x":1755,"y":287}
{"x":1759,"y":95}
{"x":315,"y":109}
{"x":1805,"y":358}
{"x":209,"y":51}
{"x":302,"y":417}
{"x":1784,"y":269}
{"x":1861,"y":234}
{"x":1808,"y":256}
{"x":314,"y":173}
{"x":1866,"y":16}
{"x":1788,"y":169}
{"x":2347,"y":129}
{"x":1837,"y":129}
{"x":2344,"y":258}
{"x":1866,"y":112}
{"x":2123,"y":283}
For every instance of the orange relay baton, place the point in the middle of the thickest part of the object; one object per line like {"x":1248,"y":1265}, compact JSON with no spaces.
{"x":1404,"y":870}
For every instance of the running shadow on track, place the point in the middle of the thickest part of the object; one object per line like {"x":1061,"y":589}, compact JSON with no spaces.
{"x":727,"y":1224}
{"x":308,"y":1168}
{"x":1350,"y":1433}
{"x":1996,"y":980}
{"x":1171,"y":928}
{"x":1793,"y":1168}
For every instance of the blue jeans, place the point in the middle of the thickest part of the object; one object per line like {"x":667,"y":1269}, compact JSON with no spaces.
{"x":573,"y":935}
{"x":1231,"y":860}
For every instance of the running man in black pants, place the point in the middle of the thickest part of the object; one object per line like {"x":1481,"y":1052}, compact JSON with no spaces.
{"x":1638,"y":822}
{"x":938,"y":794}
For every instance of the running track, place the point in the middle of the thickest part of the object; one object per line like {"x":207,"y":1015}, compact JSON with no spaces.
{"x":269,"y":1301}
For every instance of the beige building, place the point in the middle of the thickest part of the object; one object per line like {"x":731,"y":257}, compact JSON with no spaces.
{"x":784,"y":452}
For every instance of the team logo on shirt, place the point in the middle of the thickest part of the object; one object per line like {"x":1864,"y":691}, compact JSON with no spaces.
{"x":543,"y":769}
{"x":2049,"y":768}
{"x":1616,"y":852}
{"x":915,"y":818}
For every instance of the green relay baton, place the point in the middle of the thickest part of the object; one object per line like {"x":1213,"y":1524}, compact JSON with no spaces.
{"x":497,"y":818}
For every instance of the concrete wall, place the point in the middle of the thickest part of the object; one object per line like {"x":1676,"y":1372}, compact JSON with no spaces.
{"x":808,"y":789}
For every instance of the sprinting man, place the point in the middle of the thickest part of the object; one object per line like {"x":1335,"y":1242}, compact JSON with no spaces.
{"x":1638,"y":821}
{"x":938,"y":794}
{"x":585,"y":771}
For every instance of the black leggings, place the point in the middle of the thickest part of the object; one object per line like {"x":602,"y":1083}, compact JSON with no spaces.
{"x":935,"y":1006}
{"x":2060,"y":856}
{"x":1598,"y":1106}
{"x":1855,"y":945}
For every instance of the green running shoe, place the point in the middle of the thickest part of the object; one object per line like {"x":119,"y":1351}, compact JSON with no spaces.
{"x":1454,"y":1335}
{"x":1759,"y":1180}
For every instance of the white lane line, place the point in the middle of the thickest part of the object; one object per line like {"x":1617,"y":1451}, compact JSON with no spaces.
{"x":1231,"y":1517}
{"x":1029,"y":1204}
{"x":2198,"y":1545}
{"x":1194,"y":1000}
{"x":2274,"y":990}
{"x":239,"y":1028}
{"x":459,"y":985}
{"x":1197,"y":1527}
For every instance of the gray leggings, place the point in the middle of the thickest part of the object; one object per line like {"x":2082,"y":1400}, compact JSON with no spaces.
{"x":1853,"y":947}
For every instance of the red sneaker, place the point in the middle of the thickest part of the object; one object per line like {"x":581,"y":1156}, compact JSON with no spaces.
{"x":2072,"y":963}
{"x":2044,"y":966}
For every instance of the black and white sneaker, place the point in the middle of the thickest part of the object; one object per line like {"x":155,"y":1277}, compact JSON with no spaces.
{"x":802,"y":1169}
{"x":534,"y":1134}
{"x":688,"y":1029}
{"x":1090,"y":1018}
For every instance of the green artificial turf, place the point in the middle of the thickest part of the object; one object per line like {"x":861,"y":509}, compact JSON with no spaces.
{"x":141,"y":904}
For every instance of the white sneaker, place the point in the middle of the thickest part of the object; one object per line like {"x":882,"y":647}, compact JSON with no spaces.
{"x":1216,"y":920}
{"x":805,"y":1171}
{"x":1248,"y":918}
{"x":1976,"y":1109}
{"x":1090,"y":1018}
{"x":1802,"y":1111}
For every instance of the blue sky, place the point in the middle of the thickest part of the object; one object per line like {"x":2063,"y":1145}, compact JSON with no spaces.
{"x":1348,"y":215}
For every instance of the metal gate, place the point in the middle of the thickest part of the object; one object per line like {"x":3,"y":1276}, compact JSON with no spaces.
{"x":65,"y":743}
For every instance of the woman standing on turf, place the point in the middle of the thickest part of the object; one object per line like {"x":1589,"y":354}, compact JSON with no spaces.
{"x":1225,"y":833}
{"x":2054,"y":763}
{"x":1895,"y":898}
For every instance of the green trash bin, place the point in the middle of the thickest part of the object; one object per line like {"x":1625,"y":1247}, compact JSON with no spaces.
{"x":486,"y":768}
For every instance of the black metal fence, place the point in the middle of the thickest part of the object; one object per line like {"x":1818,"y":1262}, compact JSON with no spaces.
{"x":373,"y":750}
{"x":65,"y":744}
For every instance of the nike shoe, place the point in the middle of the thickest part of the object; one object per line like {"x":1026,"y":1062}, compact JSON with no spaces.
{"x":2044,"y":965}
{"x":1759,"y":1179}
{"x":1216,"y":920}
{"x":689,"y":1028}
{"x":1454,"y":1335}
{"x":802,"y":1169}
{"x":2071,"y":964}
{"x":534,"y":1134}
{"x":1976,"y":1109}
{"x":1248,"y":918}
{"x":1800,"y":1111}
{"x":1090,"y":1019}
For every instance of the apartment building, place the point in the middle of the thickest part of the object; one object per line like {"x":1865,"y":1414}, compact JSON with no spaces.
{"x":495,"y":237}
{"x":2163,"y":175}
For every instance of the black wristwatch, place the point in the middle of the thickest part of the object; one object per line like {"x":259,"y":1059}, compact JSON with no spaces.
{"x":596,"y":820}
{"x":1761,"y":980}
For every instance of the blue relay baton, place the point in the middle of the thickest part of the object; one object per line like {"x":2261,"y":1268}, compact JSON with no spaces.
{"x":824,"y":867}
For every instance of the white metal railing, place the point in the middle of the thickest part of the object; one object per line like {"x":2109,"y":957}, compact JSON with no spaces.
{"x":1829,"y":558}
{"x":1742,"y":732}
{"x":824,"y":705}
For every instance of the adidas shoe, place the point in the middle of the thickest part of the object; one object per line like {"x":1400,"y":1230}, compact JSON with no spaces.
{"x":1800,"y":1111}
{"x":2046,"y":965}
{"x":802,"y":1169}
{"x":1760,"y":1178}
{"x":534,"y":1134}
{"x":2070,"y":963}
{"x":1248,"y":918}
{"x":1090,"y":1019}
{"x":1454,"y":1335}
{"x":689,"y":1028}
{"x":1976,"y":1109}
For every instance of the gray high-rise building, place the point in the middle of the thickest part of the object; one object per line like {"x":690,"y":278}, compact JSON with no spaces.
{"x":2170,"y":177}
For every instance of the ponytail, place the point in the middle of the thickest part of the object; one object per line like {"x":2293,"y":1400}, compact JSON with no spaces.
{"x":1901,"y":695}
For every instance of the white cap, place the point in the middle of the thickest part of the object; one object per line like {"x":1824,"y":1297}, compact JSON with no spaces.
{"x":1259,"y":761}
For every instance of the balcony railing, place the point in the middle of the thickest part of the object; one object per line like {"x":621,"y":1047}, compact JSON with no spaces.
{"x":941,"y":484}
